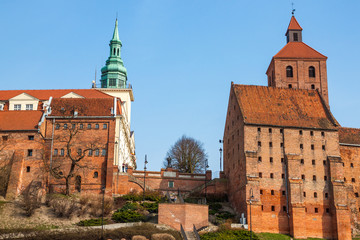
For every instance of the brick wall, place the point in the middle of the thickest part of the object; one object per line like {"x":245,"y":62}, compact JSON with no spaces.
{"x":186,"y":214}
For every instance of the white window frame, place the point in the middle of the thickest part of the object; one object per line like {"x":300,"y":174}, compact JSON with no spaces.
{"x":17,"y":107}
{"x":29,"y":107}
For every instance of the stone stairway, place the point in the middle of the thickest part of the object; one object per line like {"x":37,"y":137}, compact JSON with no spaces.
{"x":190,"y":235}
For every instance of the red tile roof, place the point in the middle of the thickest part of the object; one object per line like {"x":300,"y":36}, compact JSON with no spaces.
{"x":84,"y":106}
{"x":298,"y":50}
{"x":283,"y":107}
{"x":349,"y":135}
{"x":294,"y":25}
{"x":19,"y":120}
{"x":55,"y":93}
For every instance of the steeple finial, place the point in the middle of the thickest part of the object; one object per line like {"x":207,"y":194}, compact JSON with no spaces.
{"x":293,"y":9}
{"x":116,"y":32}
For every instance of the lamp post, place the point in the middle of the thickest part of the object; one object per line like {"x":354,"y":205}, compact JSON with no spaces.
{"x":220,"y":150}
{"x":144,"y":176}
{"x":206,"y":167}
{"x":250,"y":200}
{"x":102,"y":214}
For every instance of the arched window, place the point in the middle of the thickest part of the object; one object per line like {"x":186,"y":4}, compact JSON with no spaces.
{"x":289,"y":71}
{"x":114,"y":51}
{"x":311,"y":71}
{"x":312,"y":86}
{"x":118,"y":51}
{"x":96,"y":174}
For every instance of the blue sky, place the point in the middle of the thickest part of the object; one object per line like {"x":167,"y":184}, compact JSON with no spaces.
{"x":181,"y":56}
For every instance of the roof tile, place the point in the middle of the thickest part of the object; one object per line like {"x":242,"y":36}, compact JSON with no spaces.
{"x":283,"y":107}
{"x":349,"y":135}
{"x":298,"y":50}
{"x":19,"y":120}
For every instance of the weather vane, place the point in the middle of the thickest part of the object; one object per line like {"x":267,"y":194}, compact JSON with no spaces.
{"x":293,"y":9}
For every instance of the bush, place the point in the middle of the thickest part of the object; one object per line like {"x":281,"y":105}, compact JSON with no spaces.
{"x":150,"y":207}
{"x":224,"y":215}
{"x":92,"y":204}
{"x":228,"y":235}
{"x":30,"y":200}
{"x":127,"y":216}
{"x":92,"y":222}
{"x":63,"y":206}
{"x":215,"y":206}
{"x":138,"y":196}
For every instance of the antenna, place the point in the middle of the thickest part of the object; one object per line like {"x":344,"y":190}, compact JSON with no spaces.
{"x":293,"y":9}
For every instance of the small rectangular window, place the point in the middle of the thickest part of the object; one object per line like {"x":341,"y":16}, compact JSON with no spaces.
{"x":304,"y":194}
{"x":96,"y":126}
{"x":316,"y":210}
{"x":300,"y":132}
{"x":303,"y":177}
{"x":284,"y":208}
{"x":90,"y":152}
{"x":296,"y":37}
{"x":312,"y":147}
{"x":65,"y":126}
{"x":29,"y":107}
{"x":281,"y":145}
{"x":260,"y":174}
{"x":324,"y":162}
{"x":105,"y":126}
{"x":281,"y":130}
{"x":271,"y":175}
{"x":272,"y":192}
{"x":259,"y":129}
{"x":62,"y":152}
{"x":103,"y":152}
{"x":57,"y":126}
{"x":270,"y":144}
{"x":17,"y":107}
{"x":28,"y":169}
{"x":73,"y":126}
{"x":311,"y":133}
{"x":271,"y":159}
{"x":270,"y":130}
{"x":283,"y":193}
{"x":79,"y":151}
{"x":81,"y":126}
{"x":282,"y":160}
{"x":323,"y":134}
{"x":5,"y":138}
{"x":273,"y":208}
{"x":97,"y":152}
{"x":259,"y":159}
{"x":323,"y":147}
{"x":352,"y":179}
{"x":326,"y":195}
{"x":313,"y":162}
{"x":301,"y":161}
{"x":30,"y":152}
{"x":261,"y":191}
{"x":327,"y":210}
{"x":31,"y":137}
{"x":314,"y":178}
{"x":282,"y":176}
{"x":171,"y":184}
{"x":89,"y":126}
{"x":325,"y":178}
{"x":301,"y":146}
{"x":259,"y":144}
{"x":55,"y":152}
{"x":351,"y":165}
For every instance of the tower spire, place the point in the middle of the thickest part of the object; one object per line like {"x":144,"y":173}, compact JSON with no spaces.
{"x":113,"y":74}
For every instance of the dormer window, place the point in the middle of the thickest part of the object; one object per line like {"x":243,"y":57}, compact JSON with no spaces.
{"x":17,"y":107}
{"x":289,"y":71}
{"x":29,"y":106}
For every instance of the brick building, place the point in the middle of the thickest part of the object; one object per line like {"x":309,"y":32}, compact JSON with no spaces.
{"x":285,"y":153}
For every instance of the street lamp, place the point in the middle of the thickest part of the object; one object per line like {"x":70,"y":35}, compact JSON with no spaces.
{"x":206,"y":166}
{"x":250,"y":200}
{"x":102,"y":215}
{"x":144,"y":176}
{"x":220,"y":150}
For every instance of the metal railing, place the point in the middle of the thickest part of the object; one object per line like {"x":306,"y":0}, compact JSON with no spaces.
{"x":196,"y":232}
{"x":183,"y":232}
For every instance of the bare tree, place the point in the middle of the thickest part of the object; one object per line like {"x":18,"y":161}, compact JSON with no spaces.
{"x":5,"y":167}
{"x":187,"y":155}
{"x":65,"y":165}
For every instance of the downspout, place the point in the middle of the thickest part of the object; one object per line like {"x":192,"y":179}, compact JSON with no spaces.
{"x":286,"y":176}
{"x":51,"y":148}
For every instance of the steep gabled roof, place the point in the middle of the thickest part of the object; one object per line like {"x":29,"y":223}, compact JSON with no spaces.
{"x":294,"y":25}
{"x":55,"y":93}
{"x":299,"y":50}
{"x":349,"y":135}
{"x":83,"y":107}
{"x":283,"y":107}
{"x":19,"y":120}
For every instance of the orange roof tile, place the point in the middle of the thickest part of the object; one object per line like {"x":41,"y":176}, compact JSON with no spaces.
{"x":283,"y":107}
{"x":19,"y":120}
{"x":84,"y":106}
{"x":55,"y":93}
{"x":294,"y":25}
{"x":298,"y":50}
{"x":349,"y":135}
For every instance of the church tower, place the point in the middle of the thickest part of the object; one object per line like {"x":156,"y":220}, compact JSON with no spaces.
{"x":113,"y":74}
{"x":297,"y":65}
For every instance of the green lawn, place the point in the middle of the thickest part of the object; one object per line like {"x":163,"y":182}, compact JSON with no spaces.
{"x":275,"y":236}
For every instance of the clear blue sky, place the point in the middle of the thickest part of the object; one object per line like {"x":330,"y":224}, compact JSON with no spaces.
{"x":181,"y":56}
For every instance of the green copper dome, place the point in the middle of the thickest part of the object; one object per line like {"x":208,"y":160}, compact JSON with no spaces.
{"x":113,"y":74}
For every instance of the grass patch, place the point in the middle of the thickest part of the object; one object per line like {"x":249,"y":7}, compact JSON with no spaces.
{"x":273,"y":236}
{"x":92,"y":222}
{"x":228,"y":235}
